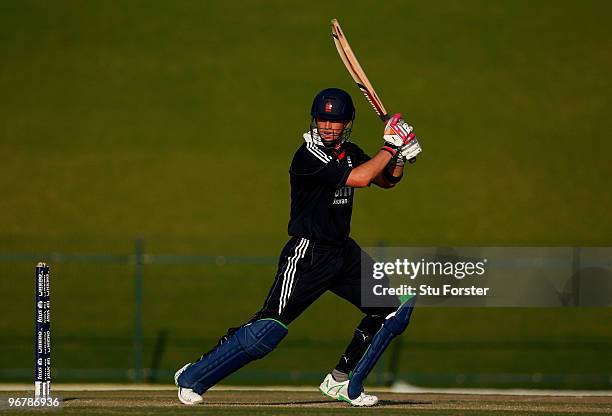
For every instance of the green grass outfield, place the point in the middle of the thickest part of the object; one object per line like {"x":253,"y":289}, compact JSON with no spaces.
{"x":176,"y":121}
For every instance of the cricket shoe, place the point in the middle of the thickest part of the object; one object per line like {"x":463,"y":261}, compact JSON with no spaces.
{"x":185,"y":395}
{"x":339,"y":390}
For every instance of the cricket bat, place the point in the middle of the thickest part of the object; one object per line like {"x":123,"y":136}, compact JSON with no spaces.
{"x":352,"y":65}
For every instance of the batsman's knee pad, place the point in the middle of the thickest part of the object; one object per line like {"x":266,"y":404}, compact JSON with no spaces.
{"x":250,"y":342}
{"x":261,"y":337}
{"x":395,"y":323}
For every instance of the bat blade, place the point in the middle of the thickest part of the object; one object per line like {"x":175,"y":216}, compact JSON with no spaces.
{"x":354,"y":68}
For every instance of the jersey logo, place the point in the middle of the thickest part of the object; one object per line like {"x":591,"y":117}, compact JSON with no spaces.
{"x":343,"y":195}
{"x":348,"y":160}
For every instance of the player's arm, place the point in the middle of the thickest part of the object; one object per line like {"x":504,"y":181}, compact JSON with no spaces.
{"x":364,"y":174}
{"x":391,"y":174}
{"x":386,"y":168}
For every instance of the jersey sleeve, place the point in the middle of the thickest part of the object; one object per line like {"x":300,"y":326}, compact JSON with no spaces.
{"x":311,"y":163}
{"x":360,"y":156}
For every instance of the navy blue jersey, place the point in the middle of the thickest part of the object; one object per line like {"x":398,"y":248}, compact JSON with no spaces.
{"x":321,"y":203}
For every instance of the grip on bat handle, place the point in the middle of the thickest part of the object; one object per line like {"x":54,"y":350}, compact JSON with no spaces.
{"x":385,"y":118}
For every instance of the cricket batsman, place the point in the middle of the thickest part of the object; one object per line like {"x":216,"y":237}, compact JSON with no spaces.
{"x":320,"y":255}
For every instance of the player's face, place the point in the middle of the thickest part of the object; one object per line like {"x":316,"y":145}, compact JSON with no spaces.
{"x":330,"y":130}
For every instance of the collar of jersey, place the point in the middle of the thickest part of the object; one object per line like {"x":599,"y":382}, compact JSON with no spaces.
{"x":313,"y":138}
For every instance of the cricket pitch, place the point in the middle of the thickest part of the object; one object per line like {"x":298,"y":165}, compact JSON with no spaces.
{"x":268,"y":402}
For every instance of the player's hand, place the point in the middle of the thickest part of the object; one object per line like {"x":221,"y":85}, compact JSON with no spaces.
{"x":397,"y":134}
{"x":410,"y":150}
{"x":397,"y":131}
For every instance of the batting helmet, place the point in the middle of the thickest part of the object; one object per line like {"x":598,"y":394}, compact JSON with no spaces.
{"x":333,"y":104}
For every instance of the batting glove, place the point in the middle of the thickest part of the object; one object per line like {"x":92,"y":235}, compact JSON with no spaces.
{"x":397,"y":134}
{"x":410,"y":150}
